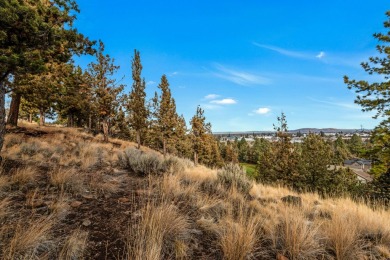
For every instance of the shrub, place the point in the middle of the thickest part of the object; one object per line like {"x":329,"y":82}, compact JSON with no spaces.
{"x":233,"y":175}
{"x":30,"y":149}
{"x":142,"y":163}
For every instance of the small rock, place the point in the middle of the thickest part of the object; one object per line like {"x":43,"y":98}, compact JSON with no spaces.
{"x":87,"y":223}
{"x":88,"y":196}
{"x":294,"y":200}
{"x":281,"y":257}
{"x":123,"y":200}
{"x":76,"y":204}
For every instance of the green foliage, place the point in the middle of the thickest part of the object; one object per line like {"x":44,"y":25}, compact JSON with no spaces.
{"x":232,"y":175}
{"x":141,"y":163}
{"x":356,"y":145}
{"x":315,"y":160}
{"x":105,"y":88}
{"x":250,"y":169}
{"x":376,"y":96}
{"x":136,"y":106}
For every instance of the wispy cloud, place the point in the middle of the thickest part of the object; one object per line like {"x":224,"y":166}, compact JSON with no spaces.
{"x":211,"y":96}
{"x":290,"y":53}
{"x":320,"y":55}
{"x":225,"y":101}
{"x":262,"y":111}
{"x":173,"y":73}
{"x":150,"y":83}
{"x":345,"y":105}
{"x":240,"y":77}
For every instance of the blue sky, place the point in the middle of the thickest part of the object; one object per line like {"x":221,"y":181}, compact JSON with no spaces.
{"x":245,"y":62}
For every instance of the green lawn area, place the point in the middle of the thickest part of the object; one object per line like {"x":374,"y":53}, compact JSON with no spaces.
{"x":250,"y":169}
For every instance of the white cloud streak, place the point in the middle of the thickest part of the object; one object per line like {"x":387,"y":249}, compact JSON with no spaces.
{"x":240,"y":77}
{"x":262,"y":111}
{"x":290,"y":53}
{"x":211,"y":96}
{"x":225,"y":101}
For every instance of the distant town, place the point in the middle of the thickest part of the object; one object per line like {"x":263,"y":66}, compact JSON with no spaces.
{"x":297,"y":135}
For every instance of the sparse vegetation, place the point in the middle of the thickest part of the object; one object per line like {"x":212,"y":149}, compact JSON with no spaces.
{"x":126,"y":203}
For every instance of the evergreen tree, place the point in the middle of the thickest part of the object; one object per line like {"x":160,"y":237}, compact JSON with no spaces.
{"x":376,"y":96}
{"x":356,"y":145}
{"x":340,"y":151}
{"x":199,"y":131}
{"x":138,"y":112}
{"x":315,"y":160}
{"x":105,"y":88}
{"x":167,"y":116}
{"x":32,"y":34}
{"x":281,"y":162}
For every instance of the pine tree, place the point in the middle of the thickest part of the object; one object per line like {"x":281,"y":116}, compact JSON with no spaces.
{"x":32,"y":34}
{"x":376,"y":96}
{"x":199,"y":130}
{"x":105,"y":87}
{"x":166,"y":116}
{"x":138,"y":112}
{"x":315,"y":160}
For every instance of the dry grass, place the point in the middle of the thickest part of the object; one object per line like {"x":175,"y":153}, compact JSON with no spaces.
{"x":188,"y":211}
{"x":239,"y":236}
{"x":162,"y":233}
{"x":24,"y":176}
{"x":74,"y":246}
{"x":29,"y":241}
{"x":296,"y":237}
{"x":66,"y":180}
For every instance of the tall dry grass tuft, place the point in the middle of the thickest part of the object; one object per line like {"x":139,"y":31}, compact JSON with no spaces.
{"x":4,"y":209}
{"x":74,"y":246}
{"x":30,"y":241}
{"x":296,"y":237}
{"x":239,"y":236}
{"x":343,"y":236}
{"x":162,"y":233}
{"x":66,"y":180}
{"x":24,"y":176}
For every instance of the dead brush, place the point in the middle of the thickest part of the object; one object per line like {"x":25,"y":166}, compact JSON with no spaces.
{"x":4,"y":209}
{"x":342,"y":236}
{"x":296,"y":237}
{"x":24,"y":176}
{"x":239,"y":236}
{"x":74,"y":246}
{"x":66,"y":180}
{"x":30,"y":240}
{"x":161,"y":233}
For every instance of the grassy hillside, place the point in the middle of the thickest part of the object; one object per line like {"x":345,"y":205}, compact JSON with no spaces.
{"x":64,"y":194}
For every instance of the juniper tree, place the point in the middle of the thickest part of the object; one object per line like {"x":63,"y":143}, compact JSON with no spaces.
{"x":105,"y":88}
{"x":136,"y":105}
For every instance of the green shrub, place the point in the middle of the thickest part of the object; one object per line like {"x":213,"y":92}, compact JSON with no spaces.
{"x":233,"y":175}
{"x":139,"y":162}
{"x":30,"y":149}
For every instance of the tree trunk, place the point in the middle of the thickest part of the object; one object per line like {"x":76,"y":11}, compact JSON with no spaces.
{"x":105,"y":130}
{"x":2,"y":116}
{"x":71,"y":121}
{"x":30,"y":117}
{"x":164,"y":147}
{"x":138,"y":139}
{"x":90,"y":122}
{"x":14,"y":109}
{"x":195,"y":158}
{"x":41,"y":117}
